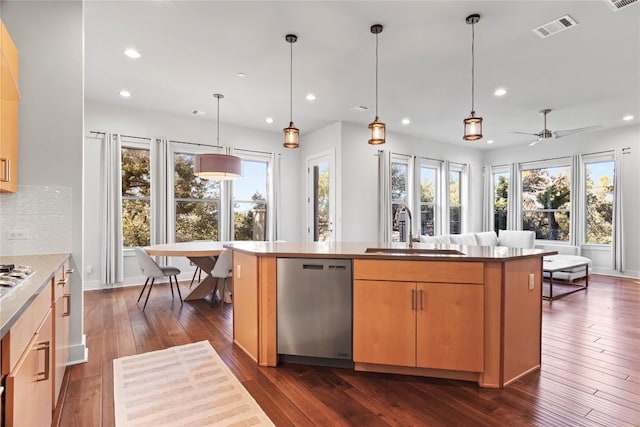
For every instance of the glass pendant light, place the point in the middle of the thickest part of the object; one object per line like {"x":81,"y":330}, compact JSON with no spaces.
{"x":215,"y":165}
{"x":376,"y":126}
{"x":291,"y":133}
{"x":472,"y":124}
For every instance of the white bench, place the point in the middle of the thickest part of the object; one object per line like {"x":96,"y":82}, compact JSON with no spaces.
{"x":552,"y":265}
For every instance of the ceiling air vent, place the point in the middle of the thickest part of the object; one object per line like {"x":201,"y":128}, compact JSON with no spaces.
{"x":555,"y":26}
{"x":616,"y":5}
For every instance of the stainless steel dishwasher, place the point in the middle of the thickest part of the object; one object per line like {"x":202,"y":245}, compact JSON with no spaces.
{"x":314,"y":309}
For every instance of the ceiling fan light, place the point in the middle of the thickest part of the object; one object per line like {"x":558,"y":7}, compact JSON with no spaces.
{"x":217,"y":166}
{"x":472,"y":128}
{"x":291,"y":136}
{"x":377,"y":132}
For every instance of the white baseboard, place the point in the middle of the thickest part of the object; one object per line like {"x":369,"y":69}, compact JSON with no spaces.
{"x":78,"y":353}
{"x":94,"y":285}
{"x":628,"y":274}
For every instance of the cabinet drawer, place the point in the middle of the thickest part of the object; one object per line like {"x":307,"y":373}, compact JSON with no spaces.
{"x":26,"y":326}
{"x":419,"y":271}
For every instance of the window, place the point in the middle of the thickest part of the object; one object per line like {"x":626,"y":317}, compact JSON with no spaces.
{"x":455,"y":200}
{"x":546,"y":201}
{"x":429,"y":215}
{"x":250,"y":201}
{"x":136,"y":196}
{"x":196,"y":202}
{"x":599,"y":174}
{"x":500,"y":199}
{"x":399,"y":197}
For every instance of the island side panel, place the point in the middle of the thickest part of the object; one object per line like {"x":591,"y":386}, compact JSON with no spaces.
{"x":492,"y":374}
{"x":522,"y":318}
{"x":245,"y":303}
{"x":267,"y":317}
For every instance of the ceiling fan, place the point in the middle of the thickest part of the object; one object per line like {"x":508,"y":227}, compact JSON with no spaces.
{"x":547,"y":134}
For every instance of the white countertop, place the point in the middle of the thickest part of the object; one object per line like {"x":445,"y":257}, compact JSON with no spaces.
{"x":13,"y":304}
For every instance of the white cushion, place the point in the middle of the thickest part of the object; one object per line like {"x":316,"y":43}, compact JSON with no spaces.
{"x":463,"y":239}
{"x":436,"y":240}
{"x":517,"y":239}
{"x":487,"y":238}
{"x":560,"y":248}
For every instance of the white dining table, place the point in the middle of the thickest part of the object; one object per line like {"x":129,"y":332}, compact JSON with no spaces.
{"x":202,"y":253}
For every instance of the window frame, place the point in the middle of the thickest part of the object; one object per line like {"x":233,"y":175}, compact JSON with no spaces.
{"x":258,"y":157}
{"x":500,"y":170}
{"x":139,"y":144}
{"x":463,"y":186}
{"x":405,"y":160}
{"x":586,"y":160}
{"x":436,"y":165}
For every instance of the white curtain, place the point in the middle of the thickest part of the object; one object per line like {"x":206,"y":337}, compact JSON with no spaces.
{"x":577,"y":202}
{"x":514,"y":207}
{"x":111,"y":268}
{"x":487,"y":199}
{"x":226,"y":210}
{"x":273,"y":199}
{"x":444,"y":190}
{"x":384,"y":196}
{"x":161,"y":168}
{"x":618,"y":241}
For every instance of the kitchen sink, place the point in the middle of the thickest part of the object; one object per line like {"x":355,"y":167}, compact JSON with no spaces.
{"x":412,"y":251}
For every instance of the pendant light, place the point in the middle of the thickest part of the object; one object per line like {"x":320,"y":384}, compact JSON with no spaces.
{"x":291,"y":133}
{"x":472,"y":124}
{"x":376,"y":126}
{"x":218,"y":166}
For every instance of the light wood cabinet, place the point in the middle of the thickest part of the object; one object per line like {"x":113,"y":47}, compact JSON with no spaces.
{"x":245,"y":303}
{"x":29,"y":385}
{"x":9,"y":96}
{"x":61,"y":312}
{"x":425,"y":325}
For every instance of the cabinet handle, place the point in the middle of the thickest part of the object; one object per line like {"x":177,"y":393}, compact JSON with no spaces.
{"x":421,"y":300}
{"x":67,"y":312}
{"x":69,"y":271}
{"x":413,"y":299}
{"x":46,"y":346}
{"x":62,"y":282}
{"x":7,"y":170}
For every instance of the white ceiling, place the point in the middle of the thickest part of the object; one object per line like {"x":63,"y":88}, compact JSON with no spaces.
{"x":589,"y":75}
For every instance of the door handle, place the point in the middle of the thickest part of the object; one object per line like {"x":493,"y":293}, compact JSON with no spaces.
{"x":46,"y":346}
{"x":67,"y":312}
{"x":421,"y":300}
{"x":7,"y":170}
{"x":413,"y":299}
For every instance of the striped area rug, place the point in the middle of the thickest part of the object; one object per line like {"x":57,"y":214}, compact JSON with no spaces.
{"x":187,"y":385}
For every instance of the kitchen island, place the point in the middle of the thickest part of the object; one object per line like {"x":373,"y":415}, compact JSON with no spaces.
{"x":450,"y":311}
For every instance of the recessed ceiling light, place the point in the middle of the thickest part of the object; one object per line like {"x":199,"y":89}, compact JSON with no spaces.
{"x":132,"y":53}
{"x":500,"y":91}
{"x":310,"y":97}
{"x":241,"y":75}
{"x":269,"y":120}
{"x":490,"y":141}
{"x":628,"y":117}
{"x":125,"y":93}
{"x":406,"y":121}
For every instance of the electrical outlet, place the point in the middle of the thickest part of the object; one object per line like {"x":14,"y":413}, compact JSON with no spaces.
{"x":238,"y":271}
{"x":532,"y":282}
{"x":18,"y":235}
{"x":89,"y":269}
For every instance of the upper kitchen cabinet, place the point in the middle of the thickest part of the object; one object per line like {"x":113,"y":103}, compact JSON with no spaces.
{"x":9,"y":96}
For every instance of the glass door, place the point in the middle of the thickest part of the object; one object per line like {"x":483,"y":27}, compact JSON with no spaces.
{"x":320,"y":197}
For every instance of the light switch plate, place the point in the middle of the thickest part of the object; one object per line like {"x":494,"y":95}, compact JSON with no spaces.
{"x":532,"y":282}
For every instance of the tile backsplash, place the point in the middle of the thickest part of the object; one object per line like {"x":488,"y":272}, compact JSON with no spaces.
{"x":35,"y":220}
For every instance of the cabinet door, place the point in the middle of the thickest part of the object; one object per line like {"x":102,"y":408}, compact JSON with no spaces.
{"x":8,"y":112}
{"x":29,"y":385}
{"x":61,"y":313}
{"x":384,"y":322}
{"x":450,"y":324}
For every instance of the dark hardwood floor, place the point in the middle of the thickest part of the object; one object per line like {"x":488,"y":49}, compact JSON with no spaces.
{"x":590,"y":368}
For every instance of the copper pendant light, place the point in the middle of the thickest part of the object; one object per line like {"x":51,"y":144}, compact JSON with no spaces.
{"x":376,"y":126}
{"x":472,"y":124}
{"x":218,"y":166}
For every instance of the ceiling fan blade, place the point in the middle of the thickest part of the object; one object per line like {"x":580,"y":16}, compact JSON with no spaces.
{"x":567,"y":132}
{"x":525,"y":133}
{"x":535,"y":142}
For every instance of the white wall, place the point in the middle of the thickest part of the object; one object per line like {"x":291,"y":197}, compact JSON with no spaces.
{"x":133,"y":122}
{"x":49,"y":38}
{"x":593,"y":142}
{"x":360,"y":177}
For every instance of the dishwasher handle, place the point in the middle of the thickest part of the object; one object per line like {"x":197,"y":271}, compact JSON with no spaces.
{"x":312,"y":267}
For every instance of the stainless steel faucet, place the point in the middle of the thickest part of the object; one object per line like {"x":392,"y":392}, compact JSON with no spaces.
{"x":405,"y":208}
